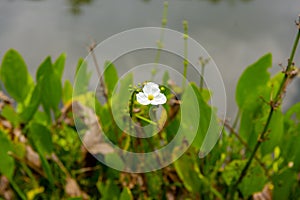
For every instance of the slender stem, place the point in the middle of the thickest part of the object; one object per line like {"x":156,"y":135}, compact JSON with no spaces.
{"x":232,"y":131}
{"x":202,"y":76}
{"x":203,"y":62}
{"x":146,"y":120}
{"x":237,"y":118}
{"x":104,"y":88}
{"x":273,"y":106}
{"x":163,"y":25}
{"x":91,"y":50}
{"x":185,"y":61}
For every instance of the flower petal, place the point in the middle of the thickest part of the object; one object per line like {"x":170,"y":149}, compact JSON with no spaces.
{"x":151,"y":88}
{"x":159,"y":99}
{"x":142,"y":98}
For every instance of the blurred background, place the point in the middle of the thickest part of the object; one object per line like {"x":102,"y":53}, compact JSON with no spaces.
{"x":234,"y":32}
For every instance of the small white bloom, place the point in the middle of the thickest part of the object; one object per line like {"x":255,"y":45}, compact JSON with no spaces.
{"x":151,"y":95}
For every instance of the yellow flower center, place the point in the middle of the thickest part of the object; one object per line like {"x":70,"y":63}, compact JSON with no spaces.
{"x":150,"y":97}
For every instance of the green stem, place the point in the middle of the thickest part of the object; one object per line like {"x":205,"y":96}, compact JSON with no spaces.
{"x":273,"y":106}
{"x":163,"y":25}
{"x":146,"y":120}
{"x":17,"y":189}
{"x":185,"y":61}
{"x":202,"y":77}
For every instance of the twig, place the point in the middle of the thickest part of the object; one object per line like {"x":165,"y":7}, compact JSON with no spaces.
{"x":104,"y":89}
{"x":60,"y":165}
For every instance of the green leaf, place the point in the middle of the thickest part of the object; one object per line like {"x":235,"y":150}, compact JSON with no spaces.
{"x":41,"y":138}
{"x":7,"y":164}
{"x":35,"y":100}
{"x":126,"y":194}
{"x":283,"y":184}
{"x":253,"y":82}
{"x":110,"y":77}
{"x":59,"y":65}
{"x":113,"y":159}
{"x":15,"y":76}
{"x":67,"y":91}
{"x":208,"y":130}
{"x":189,"y":173}
{"x":154,"y":183}
{"x":51,"y":87}
{"x":254,"y":181}
{"x":82,"y":78}
{"x":232,"y":171}
{"x":276,"y":128}
{"x":10,"y":114}
{"x":108,"y":190}
{"x":47,"y":169}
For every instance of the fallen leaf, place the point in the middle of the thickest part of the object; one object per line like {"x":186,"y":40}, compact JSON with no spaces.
{"x":265,"y":194}
{"x":72,"y":189}
{"x":92,"y":138}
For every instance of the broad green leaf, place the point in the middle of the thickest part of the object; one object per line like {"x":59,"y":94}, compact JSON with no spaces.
{"x":82,"y":78}
{"x":108,"y":190}
{"x":7,"y":164}
{"x":35,"y":100}
{"x":208,"y":130}
{"x":10,"y":114}
{"x":189,"y":173}
{"x":15,"y":76}
{"x":59,"y":65}
{"x":41,"y":138}
{"x":50,"y":84}
{"x":154,"y":183}
{"x":291,"y":141}
{"x":190,"y":115}
{"x":276,"y":129}
{"x":283,"y":184}
{"x":126,"y":194}
{"x":254,"y":181}
{"x":110,"y":77}
{"x":113,"y":159}
{"x":232,"y":171}
{"x":253,"y":82}
{"x":294,"y":111}
{"x":67,"y":91}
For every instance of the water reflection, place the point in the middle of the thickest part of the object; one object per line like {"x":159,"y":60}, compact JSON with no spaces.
{"x":76,"y":5}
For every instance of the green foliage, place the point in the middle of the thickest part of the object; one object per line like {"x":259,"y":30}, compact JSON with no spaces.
{"x":49,"y":80}
{"x":7,"y":164}
{"x":253,"y":82}
{"x":110,"y":77}
{"x":15,"y":76}
{"x":57,"y":155}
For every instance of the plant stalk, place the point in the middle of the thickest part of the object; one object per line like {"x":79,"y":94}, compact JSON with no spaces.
{"x":273,"y":106}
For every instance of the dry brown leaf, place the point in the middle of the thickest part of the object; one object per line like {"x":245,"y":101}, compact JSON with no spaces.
{"x":5,"y":191}
{"x":170,"y":196}
{"x":92,"y":139}
{"x":265,"y":194}
{"x":33,"y":157}
{"x":72,"y":189}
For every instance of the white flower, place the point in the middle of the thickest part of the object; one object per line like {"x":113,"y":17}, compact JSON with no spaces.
{"x":151,"y":95}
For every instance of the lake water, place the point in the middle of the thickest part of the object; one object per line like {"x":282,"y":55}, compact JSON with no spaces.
{"x":235,"y":33}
